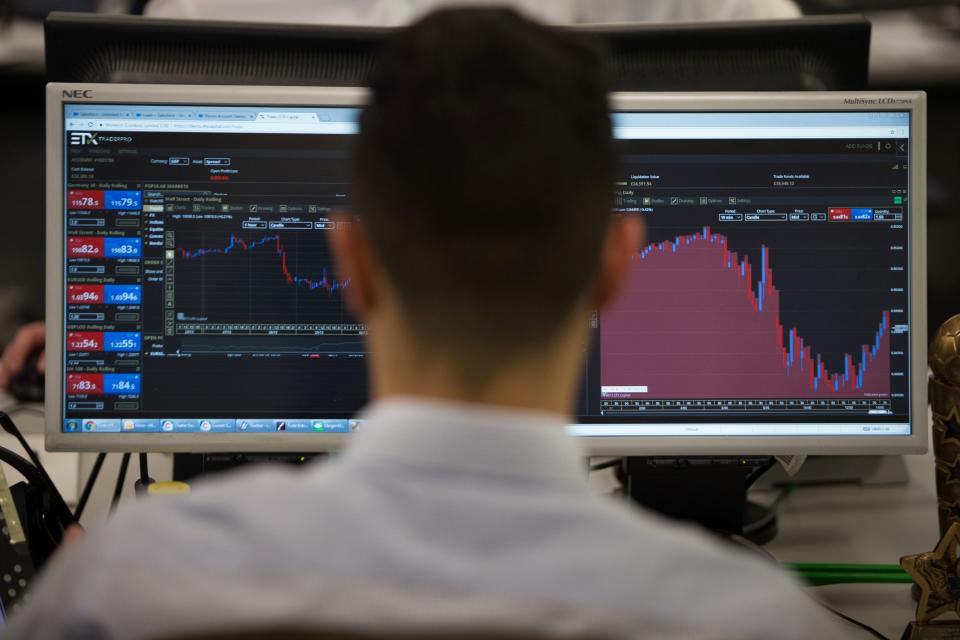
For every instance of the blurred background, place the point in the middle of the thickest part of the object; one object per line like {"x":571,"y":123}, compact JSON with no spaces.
{"x":915,"y":45}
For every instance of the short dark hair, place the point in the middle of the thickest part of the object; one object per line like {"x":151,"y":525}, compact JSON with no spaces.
{"x":484,"y":171}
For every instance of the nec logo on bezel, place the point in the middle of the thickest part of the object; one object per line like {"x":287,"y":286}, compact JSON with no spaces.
{"x":77,"y":94}
{"x":83,"y":137}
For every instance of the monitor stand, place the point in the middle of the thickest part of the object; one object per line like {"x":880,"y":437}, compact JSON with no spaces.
{"x":187,"y":466}
{"x":711,"y":491}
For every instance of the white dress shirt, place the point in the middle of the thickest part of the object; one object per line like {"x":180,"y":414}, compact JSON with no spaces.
{"x":438,"y":516}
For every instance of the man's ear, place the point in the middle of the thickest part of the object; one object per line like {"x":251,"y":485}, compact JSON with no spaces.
{"x":625,"y":235}
{"x":354,"y":262}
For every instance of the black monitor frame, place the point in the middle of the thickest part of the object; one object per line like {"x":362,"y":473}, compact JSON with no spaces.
{"x":814,"y":53}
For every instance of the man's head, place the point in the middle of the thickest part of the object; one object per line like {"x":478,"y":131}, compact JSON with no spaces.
{"x":483,"y":182}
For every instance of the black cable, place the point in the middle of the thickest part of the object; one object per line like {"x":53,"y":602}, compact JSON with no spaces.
{"x":121,"y":478}
{"x":606,"y":464}
{"x":8,"y":425}
{"x":759,"y":471}
{"x":862,"y":625}
{"x":12,"y":429}
{"x":88,"y":487}
{"x":144,"y":475}
{"x":142,"y":485}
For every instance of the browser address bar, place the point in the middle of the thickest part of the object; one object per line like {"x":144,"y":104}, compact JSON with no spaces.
{"x":215,"y":127}
{"x":639,"y":133}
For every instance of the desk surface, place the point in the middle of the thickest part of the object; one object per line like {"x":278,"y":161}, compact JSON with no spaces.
{"x":869,"y":524}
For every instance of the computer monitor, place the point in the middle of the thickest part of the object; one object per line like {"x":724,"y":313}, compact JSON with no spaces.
{"x":192,"y":305}
{"x":811,"y":53}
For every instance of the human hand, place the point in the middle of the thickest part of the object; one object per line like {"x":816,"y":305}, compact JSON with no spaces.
{"x":28,"y":339}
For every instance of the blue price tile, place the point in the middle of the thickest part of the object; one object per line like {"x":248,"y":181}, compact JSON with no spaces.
{"x":121,"y":247}
{"x":121,"y":383}
{"x":125,"y":341}
{"x":121,"y":200}
{"x":121,"y":293}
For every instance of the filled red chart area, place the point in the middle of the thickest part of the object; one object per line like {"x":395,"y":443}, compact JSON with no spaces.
{"x":695,"y":322}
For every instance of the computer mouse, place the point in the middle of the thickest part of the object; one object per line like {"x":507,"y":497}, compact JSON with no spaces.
{"x":28,"y":385}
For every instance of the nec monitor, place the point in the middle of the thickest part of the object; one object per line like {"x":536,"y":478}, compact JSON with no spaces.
{"x":192,"y":305}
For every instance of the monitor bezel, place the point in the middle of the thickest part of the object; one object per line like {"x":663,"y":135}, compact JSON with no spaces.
{"x":60,"y":93}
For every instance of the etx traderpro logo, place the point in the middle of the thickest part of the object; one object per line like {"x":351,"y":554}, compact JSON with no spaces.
{"x":83,"y":137}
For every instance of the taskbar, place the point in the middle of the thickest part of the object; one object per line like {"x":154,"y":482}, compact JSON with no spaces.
{"x":345,"y":426}
{"x":210,"y":425}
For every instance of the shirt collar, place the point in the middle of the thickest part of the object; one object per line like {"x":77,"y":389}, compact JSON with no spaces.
{"x":466,"y":437}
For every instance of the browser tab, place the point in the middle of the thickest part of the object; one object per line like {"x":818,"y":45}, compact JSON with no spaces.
{"x":287,"y":117}
{"x":164,"y":115}
{"x":226,"y":115}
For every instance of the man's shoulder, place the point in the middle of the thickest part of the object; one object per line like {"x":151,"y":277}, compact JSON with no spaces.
{"x":223,"y":513}
{"x":682,"y":576}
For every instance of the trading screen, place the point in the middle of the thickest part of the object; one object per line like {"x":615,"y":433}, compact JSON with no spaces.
{"x":772,"y":296}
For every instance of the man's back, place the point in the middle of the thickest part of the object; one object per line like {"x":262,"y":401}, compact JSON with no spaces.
{"x":439,"y":517}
